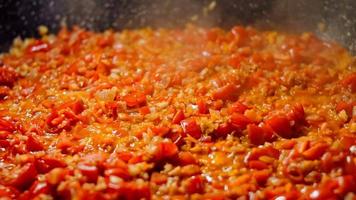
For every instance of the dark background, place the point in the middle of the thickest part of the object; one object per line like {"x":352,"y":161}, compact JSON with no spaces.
{"x":22,"y":17}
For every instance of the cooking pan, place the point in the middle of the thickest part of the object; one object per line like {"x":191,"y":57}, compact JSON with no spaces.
{"x":330,"y":19}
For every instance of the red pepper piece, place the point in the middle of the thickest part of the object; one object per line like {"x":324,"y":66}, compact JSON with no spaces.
{"x":135,"y":100}
{"x":38,"y":46}
{"x":316,"y":151}
{"x":350,"y":82}
{"x":256,"y":164}
{"x":223,"y":130}
{"x":26,"y":175}
{"x":178,"y":117}
{"x":240,"y":121}
{"x":238,"y":107}
{"x":165,"y":150}
{"x":256,"y":134}
{"x":261,"y":176}
{"x":47,"y":163}
{"x":33,"y":144}
{"x":119,"y":172}
{"x":89,"y":171}
{"x":195,"y":184}
{"x":186,"y":158}
{"x":256,"y":153}
{"x":281,"y":126}
{"x":191,"y":128}
{"x":6,"y":125}
{"x":159,"y":178}
{"x":38,"y":188}
{"x":202,"y":107}
{"x":8,"y":76}
{"x":227,"y":92}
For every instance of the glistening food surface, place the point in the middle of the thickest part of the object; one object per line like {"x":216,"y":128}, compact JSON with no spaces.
{"x":176,"y":114}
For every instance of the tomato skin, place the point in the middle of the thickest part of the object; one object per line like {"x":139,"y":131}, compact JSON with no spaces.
{"x":190,"y":127}
{"x":227,"y":92}
{"x":25,"y":177}
{"x":281,"y":126}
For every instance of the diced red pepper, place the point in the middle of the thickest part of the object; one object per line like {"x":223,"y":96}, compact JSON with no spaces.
{"x":256,"y":153}
{"x":350,"y":81}
{"x":178,"y":117}
{"x":56,"y":175}
{"x":238,"y":107}
{"x":6,"y":125}
{"x":281,"y":126}
{"x":227,"y":92}
{"x":38,"y":188}
{"x":256,"y":164}
{"x":240,"y":121}
{"x":195,"y":184}
{"x":316,"y":151}
{"x":119,"y":172}
{"x":47,"y":163}
{"x":144,"y":110}
{"x":38,"y":46}
{"x":202,"y":107}
{"x":256,"y":134}
{"x":297,"y":113}
{"x":235,"y":60}
{"x":135,"y":100}
{"x":161,"y":131}
{"x":261,"y":176}
{"x":159,"y":178}
{"x":223,"y":130}
{"x":347,"y":107}
{"x":33,"y":144}
{"x":91,"y":172}
{"x":165,"y":150}
{"x":186,"y":158}
{"x":26,"y":175}
{"x":190,"y":127}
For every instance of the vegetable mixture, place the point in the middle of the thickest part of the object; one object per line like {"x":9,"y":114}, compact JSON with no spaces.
{"x":191,"y":113}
